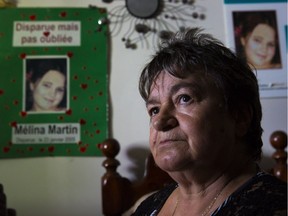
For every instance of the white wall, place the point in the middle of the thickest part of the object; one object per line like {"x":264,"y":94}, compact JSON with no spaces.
{"x":71,"y":186}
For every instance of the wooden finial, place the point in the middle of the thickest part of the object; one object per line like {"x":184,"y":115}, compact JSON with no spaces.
{"x":278,"y":140}
{"x":110,"y":148}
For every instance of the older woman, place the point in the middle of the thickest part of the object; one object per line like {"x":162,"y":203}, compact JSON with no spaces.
{"x":205,"y":132}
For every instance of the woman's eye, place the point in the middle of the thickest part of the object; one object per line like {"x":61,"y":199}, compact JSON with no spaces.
{"x":47,"y":85}
{"x":257,"y":40}
{"x":184,"y":98}
{"x":153,"y":111}
{"x":60,"y":90}
{"x":271,"y":45}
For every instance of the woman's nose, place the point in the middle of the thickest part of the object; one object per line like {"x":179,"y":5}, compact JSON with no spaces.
{"x":164,"y":120}
{"x":52,"y":93}
{"x":263,"y":47}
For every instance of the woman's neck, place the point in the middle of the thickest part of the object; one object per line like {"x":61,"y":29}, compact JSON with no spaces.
{"x":203,"y":199}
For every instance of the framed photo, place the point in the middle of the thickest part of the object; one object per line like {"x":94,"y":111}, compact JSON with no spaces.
{"x":256,"y":32}
{"x":46,"y":84}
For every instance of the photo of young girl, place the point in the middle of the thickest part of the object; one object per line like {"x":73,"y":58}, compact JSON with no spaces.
{"x":256,"y":38}
{"x":46,"y":85}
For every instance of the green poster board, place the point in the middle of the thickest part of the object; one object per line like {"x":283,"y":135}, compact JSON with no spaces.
{"x":63,"y":112}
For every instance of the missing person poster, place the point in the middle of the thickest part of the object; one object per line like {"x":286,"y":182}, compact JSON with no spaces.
{"x":53,"y":86}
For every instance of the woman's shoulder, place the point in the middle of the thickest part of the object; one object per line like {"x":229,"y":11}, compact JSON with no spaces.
{"x":263,"y":185}
{"x":268,"y":183}
{"x":155,"y":201}
{"x":263,"y":194}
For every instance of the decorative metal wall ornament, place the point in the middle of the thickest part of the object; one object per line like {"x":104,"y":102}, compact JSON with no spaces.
{"x":158,"y":19}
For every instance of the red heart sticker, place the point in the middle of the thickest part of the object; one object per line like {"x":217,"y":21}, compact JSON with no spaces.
{"x":63,"y":14}
{"x":13,"y":124}
{"x":69,"y":112}
{"x":23,"y":55}
{"x":70,"y":54}
{"x":51,"y":148}
{"x":6,"y":149}
{"x":32,"y":17}
{"x":83,"y":149}
{"x":46,"y":34}
{"x":82,"y":122}
{"x":1,"y":91}
{"x":84,"y":86}
{"x":23,"y":113}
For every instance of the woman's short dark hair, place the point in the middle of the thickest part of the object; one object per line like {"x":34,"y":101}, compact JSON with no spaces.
{"x":190,"y":51}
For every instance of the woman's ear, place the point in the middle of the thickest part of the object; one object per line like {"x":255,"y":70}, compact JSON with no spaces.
{"x":242,"y":40}
{"x":243,"y":118}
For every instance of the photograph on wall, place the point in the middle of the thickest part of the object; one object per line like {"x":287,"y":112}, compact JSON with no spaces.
{"x":256,"y":38}
{"x":53,"y":86}
{"x":256,"y":32}
{"x":46,"y":84}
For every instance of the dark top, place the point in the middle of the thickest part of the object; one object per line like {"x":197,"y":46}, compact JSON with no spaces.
{"x":262,"y":195}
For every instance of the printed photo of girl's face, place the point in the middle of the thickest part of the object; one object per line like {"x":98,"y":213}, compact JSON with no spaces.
{"x":259,"y":46}
{"x":46,"y":85}
{"x":257,"y":38}
{"x":48,"y":91}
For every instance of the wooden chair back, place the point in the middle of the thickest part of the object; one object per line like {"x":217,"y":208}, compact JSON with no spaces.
{"x":119,"y":193}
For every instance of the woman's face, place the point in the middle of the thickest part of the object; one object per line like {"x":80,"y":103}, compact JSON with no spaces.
{"x":48,"y":91}
{"x":260,"y":46}
{"x":189,"y":124}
